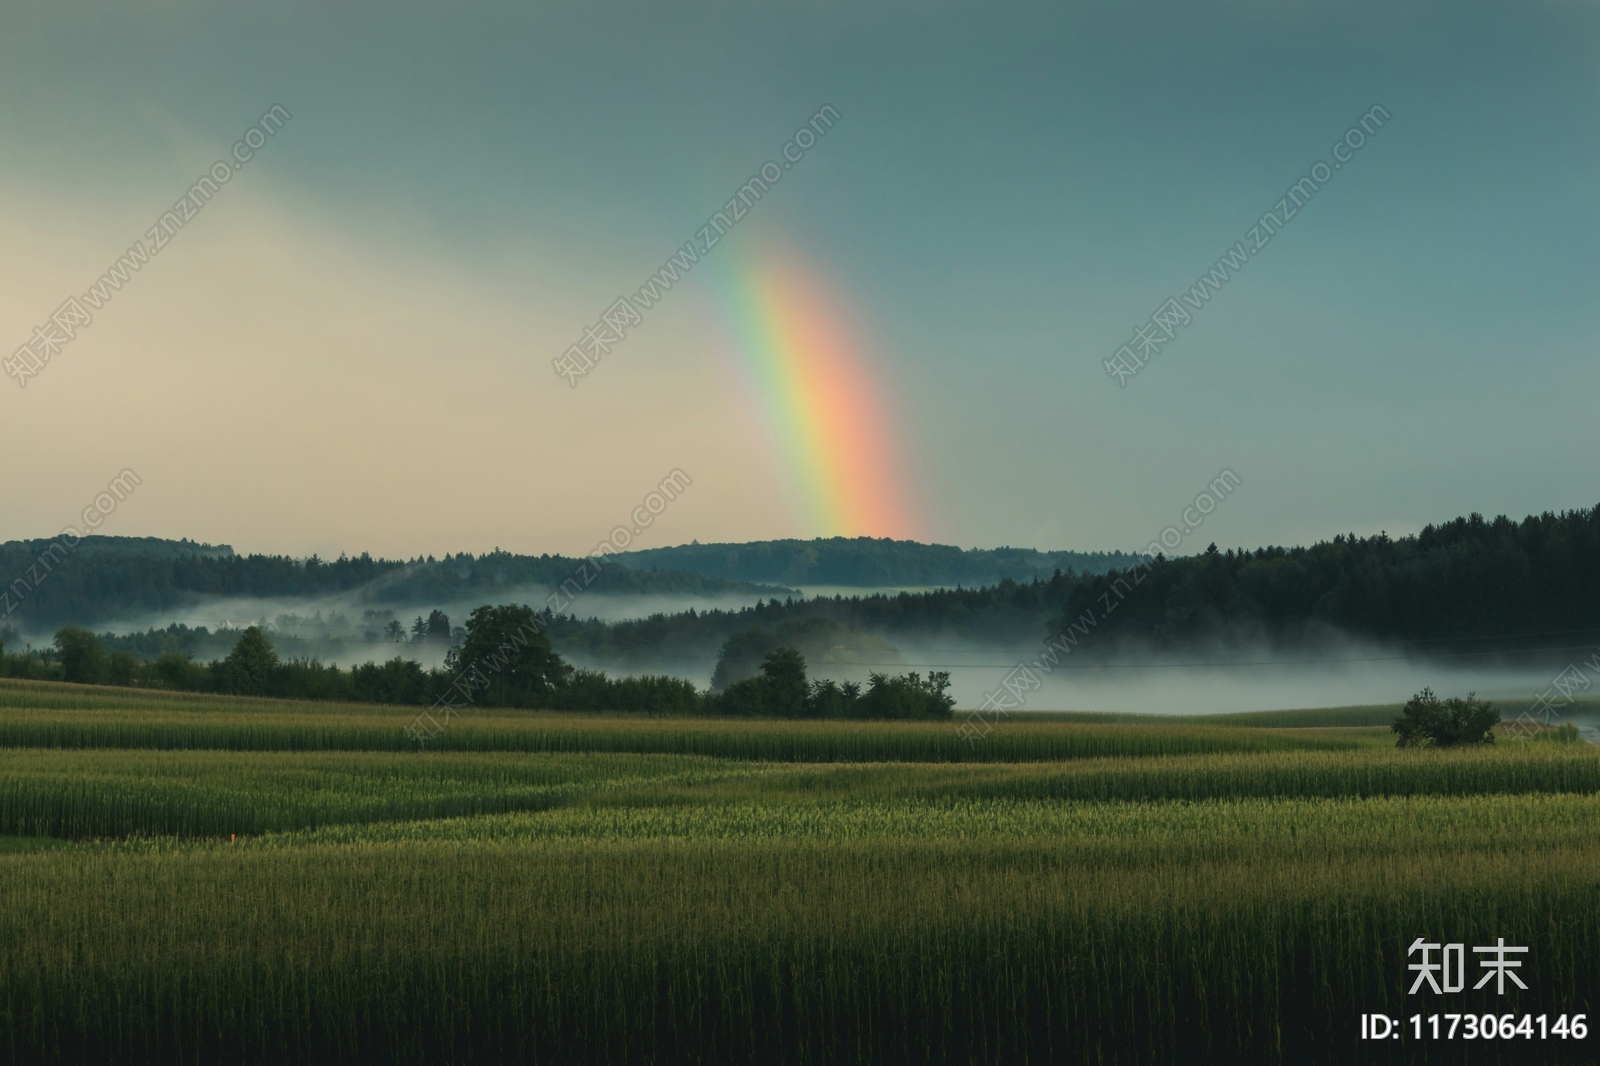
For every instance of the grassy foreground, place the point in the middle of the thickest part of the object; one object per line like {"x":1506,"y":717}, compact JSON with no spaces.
{"x":1141,"y":901}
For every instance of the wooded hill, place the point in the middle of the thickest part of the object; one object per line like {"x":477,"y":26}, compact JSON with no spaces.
{"x":51,"y":583}
{"x":1467,"y":585}
{"x":872,"y":562}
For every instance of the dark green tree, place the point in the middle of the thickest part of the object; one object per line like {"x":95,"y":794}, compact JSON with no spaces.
{"x":830,"y":699}
{"x":506,"y":647}
{"x":742,"y":699}
{"x":121,"y":668}
{"x":1426,"y":720}
{"x":906,"y":698}
{"x":178,"y":671}
{"x":783,"y":672}
{"x":740,"y":657}
{"x":83,"y":659}
{"x":398,"y":681}
{"x":438,"y":626}
{"x":250,"y":666}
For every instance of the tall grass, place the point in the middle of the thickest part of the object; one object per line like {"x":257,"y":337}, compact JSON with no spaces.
{"x":781,"y":741}
{"x":62,"y":696}
{"x":91,"y":794}
{"x":760,"y":953}
{"x":614,"y":890}
{"x":99,"y":794}
{"x":1126,"y":834}
{"x":1366,"y":715}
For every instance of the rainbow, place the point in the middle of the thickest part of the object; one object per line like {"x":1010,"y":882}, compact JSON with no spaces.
{"x":789,"y":344}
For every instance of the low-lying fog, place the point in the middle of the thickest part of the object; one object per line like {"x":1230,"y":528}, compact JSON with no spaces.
{"x":358,"y":623}
{"x":1350,"y":673}
{"x":1217,"y":689}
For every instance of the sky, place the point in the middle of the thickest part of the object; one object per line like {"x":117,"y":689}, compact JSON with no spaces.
{"x":349,"y":346}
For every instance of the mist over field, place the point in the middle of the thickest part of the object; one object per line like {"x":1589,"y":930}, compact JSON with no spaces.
{"x":1344,"y":674}
{"x":1336,"y":671}
{"x":799,"y":533}
{"x":348,"y":629}
{"x":1074,"y":652}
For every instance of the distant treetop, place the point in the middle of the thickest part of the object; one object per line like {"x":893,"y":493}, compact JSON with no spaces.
{"x":872,"y":562}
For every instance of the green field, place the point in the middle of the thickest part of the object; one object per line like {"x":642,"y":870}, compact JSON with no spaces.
{"x":207,"y":879}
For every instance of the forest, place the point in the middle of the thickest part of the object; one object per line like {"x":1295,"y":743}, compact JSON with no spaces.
{"x":871,"y":562}
{"x":1468,"y":586}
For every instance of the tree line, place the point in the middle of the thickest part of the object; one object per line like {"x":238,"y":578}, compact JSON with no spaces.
{"x":999,"y":615}
{"x":507,"y":651}
{"x":1468,"y":585}
{"x":781,"y":690}
{"x":1472,"y":586}
{"x":110,"y":577}
{"x":1448,"y":588}
{"x":871,"y":562}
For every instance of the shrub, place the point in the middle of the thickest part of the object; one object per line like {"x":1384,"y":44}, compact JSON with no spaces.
{"x":1428,"y":720}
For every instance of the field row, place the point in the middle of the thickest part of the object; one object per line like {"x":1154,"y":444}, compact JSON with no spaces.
{"x":779,"y":741}
{"x":89,"y":794}
{"x":1113,"y":833}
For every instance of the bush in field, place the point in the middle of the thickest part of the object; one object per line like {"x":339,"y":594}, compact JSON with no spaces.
{"x":83,"y":659}
{"x":1428,"y":720}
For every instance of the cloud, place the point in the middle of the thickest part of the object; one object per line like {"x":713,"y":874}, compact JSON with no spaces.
{"x":283,"y":382}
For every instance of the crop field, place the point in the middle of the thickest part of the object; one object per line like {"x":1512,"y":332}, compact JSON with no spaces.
{"x":197,"y":880}
{"x":268,"y":728}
